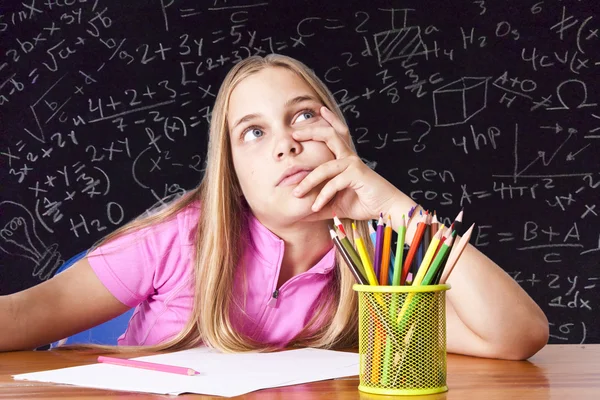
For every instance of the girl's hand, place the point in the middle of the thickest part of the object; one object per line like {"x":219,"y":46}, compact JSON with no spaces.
{"x":353,"y":189}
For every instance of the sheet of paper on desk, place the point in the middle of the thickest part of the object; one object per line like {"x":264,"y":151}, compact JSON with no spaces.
{"x":220,"y":374}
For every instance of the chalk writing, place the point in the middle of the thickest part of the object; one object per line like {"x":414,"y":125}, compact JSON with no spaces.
{"x":105,"y":111}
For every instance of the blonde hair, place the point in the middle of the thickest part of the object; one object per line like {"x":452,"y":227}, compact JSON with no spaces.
{"x":220,"y":242}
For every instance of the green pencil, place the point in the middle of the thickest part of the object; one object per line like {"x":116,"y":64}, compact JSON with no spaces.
{"x":438,"y":262}
{"x":351,"y":251}
{"x":399,"y":253}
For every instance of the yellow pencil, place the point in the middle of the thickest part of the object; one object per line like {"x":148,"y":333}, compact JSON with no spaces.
{"x":377,"y":347}
{"x":364,"y":257}
{"x":385,"y":259}
{"x":427,"y":258}
{"x":421,"y":273}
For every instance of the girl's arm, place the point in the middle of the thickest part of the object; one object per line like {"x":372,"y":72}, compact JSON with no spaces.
{"x":488,"y":313}
{"x":68,"y":303}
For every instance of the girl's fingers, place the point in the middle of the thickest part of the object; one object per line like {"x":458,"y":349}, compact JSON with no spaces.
{"x":323,"y":172}
{"x":336,"y":144}
{"x":335,"y":185}
{"x":337,"y":124}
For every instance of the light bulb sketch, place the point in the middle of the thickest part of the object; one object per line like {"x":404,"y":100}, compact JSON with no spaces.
{"x":18,"y":237}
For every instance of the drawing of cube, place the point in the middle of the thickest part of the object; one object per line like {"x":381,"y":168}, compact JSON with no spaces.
{"x":458,"y":101}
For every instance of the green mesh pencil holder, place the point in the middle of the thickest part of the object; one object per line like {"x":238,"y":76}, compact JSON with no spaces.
{"x":402,"y":339}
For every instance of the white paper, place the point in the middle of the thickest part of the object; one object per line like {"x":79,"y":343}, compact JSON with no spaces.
{"x":220,"y":374}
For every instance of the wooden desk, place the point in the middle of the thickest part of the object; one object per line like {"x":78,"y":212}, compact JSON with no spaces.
{"x":557,"y":372}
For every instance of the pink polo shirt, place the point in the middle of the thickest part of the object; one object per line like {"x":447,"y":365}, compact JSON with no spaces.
{"x":151,"y":271}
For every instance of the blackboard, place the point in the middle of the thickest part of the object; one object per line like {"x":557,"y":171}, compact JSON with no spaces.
{"x":490,"y":106}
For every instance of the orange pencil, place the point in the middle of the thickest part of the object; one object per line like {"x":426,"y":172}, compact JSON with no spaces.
{"x":385,"y":259}
{"x":412,"y":251}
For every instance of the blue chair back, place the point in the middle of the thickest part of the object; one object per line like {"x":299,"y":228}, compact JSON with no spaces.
{"x":106,"y":333}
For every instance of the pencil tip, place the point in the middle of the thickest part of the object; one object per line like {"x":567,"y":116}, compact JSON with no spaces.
{"x":459,"y":216}
{"x":411,"y":211}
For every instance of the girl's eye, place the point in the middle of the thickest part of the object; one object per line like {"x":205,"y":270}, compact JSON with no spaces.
{"x":306,"y":114}
{"x":252,"y":134}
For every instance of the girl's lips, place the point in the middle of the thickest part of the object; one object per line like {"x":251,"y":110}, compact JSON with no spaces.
{"x":294,"y":179}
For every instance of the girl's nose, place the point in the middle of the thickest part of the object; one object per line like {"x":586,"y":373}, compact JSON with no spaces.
{"x":287,"y":146}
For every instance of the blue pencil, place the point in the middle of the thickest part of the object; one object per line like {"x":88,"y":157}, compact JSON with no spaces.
{"x":378,"y":245}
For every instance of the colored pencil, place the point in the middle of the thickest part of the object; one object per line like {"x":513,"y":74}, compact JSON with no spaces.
{"x":385,"y":256}
{"x":373,"y":236}
{"x":442,"y":230}
{"x":424,"y":244}
{"x":458,"y":221}
{"x":411,"y":211}
{"x":434,"y":224}
{"x":407,"y":338}
{"x":399,"y":252}
{"x":338,"y":223}
{"x":417,"y":281}
{"x":364,"y":256}
{"x":351,"y":264}
{"x":456,"y":253}
{"x":423,"y":268}
{"x":378,"y":245}
{"x":395,"y":282}
{"x":413,"y":249}
{"x":147,"y":365}
{"x":377,"y":345}
{"x":438,"y":262}
{"x":351,"y":251}
{"x":448,"y":233}
{"x":391,"y":266}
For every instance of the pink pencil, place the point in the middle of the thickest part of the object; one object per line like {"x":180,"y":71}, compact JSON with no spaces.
{"x":147,"y":365}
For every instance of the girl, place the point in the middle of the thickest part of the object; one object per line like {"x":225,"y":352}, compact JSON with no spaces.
{"x":245,"y":261}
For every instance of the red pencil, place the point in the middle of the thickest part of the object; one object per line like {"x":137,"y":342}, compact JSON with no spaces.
{"x":147,"y":365}
{"x":338,"y":223}
{"x":412,"y":251}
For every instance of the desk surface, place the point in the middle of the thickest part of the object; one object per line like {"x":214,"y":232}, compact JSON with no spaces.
{"x":557,"y":371}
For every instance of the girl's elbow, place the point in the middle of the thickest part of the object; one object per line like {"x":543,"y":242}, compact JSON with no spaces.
{"x":532,"y":339}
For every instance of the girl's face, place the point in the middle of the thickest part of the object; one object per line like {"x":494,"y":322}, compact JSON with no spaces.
{"x":264,"y":109}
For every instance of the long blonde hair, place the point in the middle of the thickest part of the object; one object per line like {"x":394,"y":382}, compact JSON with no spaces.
{"x":220,"y":242}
